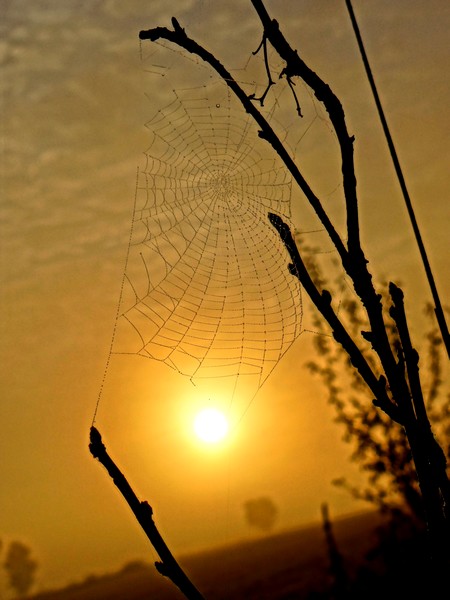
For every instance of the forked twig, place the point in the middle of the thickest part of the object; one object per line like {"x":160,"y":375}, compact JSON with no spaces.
{"x":291,"y":84}
{"x":143,"y":512}
{"x":270,"y":81}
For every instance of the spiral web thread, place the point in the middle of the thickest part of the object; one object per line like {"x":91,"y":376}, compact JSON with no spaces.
{"x":207,"y":289}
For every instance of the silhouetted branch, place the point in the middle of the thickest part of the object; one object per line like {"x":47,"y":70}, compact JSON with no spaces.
{"x":397,"y":390}
{"x":439,"y":311}
{"x":295,"y":66}
{"x":270,"y":81}
{"x":291,"y":84}
{"x":178,"y":36}
{"x":428,"y":455}
{"x":410,"y":355}
{"x":144,"y":515}
{"x":354,"y":262}
{"x":322,"y":300}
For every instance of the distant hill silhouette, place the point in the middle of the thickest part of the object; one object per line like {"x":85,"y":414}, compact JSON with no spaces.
{"x":288,"y":565}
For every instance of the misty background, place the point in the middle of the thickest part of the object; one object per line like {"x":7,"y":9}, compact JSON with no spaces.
{"x":73,"y":114}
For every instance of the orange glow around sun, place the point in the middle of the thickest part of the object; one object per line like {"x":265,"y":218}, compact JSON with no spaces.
{"x":211,"y":425}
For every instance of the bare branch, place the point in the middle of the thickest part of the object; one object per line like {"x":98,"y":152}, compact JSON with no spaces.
{"x":291,"y":84}
{"x":179,"y":37}
{"x":436,"y":456}
{"x":355,"y":262}
{"x":144,"y":515}
{"x":399,"y":385}
{"x":322,"y":300}
{"x":295,"y":66}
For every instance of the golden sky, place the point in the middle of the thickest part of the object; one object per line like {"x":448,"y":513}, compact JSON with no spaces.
{"x":75,"y":97}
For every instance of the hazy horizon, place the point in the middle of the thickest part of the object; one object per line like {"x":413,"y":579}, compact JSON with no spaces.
{"x":75,"y":98}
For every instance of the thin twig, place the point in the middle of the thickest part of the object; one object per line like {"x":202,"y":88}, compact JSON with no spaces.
{"x":439,"y":311}
{"x":144,"y":515}
{"x":178,"y":36}
{"x":435,"y":455}
{"x":270,"y":81}
{"x":295,"y":66}
{"x":291,"y":84}
{"x":322,"y":300}
{"x":354,"y":263}
{"x":393,"y":395}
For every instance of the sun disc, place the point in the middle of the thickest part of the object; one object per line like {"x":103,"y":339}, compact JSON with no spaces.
{"x":210,"y":425}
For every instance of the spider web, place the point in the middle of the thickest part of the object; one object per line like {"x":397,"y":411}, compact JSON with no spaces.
{"x":206,"y":288}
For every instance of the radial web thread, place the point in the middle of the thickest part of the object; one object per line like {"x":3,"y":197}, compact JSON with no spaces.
{"x":207,"y":289}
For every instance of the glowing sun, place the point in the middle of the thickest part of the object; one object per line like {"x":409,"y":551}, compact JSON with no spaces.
{"x":211,"y":425}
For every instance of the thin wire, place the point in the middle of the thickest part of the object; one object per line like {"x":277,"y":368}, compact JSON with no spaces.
{"x":438,"y":307}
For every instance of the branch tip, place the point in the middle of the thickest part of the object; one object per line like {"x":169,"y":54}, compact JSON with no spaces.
{"x":176,"y":26}
{"x":96,"y":445}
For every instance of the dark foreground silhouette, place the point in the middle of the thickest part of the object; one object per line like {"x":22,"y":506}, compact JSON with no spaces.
{"x":284,"y":566}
